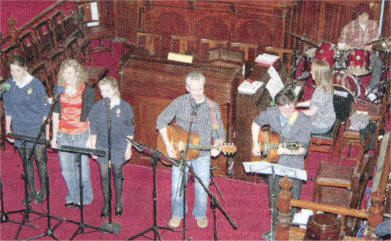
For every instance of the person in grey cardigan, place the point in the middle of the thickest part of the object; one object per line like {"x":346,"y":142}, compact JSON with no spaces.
{"x":321,"y":107}
{"x":292,"y":126}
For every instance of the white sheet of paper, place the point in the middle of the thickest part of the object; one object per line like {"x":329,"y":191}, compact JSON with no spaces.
{"x":274,"y":85}
{"x":267,"y":168}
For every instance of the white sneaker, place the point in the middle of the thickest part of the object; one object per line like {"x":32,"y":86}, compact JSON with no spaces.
{"x":175,"y":222}
{"x":202,"y":222}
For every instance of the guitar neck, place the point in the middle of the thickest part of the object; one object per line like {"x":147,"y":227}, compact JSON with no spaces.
{"x":288,"y":145}
{"x":200,"y":147}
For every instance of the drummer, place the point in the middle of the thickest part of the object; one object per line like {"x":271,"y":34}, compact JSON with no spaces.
{"x":357,"y":34}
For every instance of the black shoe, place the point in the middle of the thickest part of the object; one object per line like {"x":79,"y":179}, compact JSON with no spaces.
{"x":30,"y":197}
{"x":40,"y":197}
{"x":105,"y":211}
{"x":71,"y":204}
{"x":118,"y":211}
{"x":76,"y":205}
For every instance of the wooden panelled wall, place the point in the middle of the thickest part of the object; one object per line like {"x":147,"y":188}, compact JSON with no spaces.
{"x":260,"y":22}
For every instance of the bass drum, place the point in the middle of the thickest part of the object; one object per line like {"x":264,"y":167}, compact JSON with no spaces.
{"x":349,"y":82}
{"x":343,"y":100}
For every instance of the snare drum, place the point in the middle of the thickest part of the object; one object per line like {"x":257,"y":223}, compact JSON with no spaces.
{"x":349,"y":82}
{"x":326,"y":52}
{"x":358,"y":62}
{"x":343,"y":99}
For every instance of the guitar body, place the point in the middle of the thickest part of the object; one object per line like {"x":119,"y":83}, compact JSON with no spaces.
{"x":178,"y":138}
{"x":265,"y":138}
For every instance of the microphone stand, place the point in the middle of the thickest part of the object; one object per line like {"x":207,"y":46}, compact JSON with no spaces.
{"x":156,"y":156}
{"x":49,"y":230}
{"x":82,"y":225}
{"x":26,"y":218}
{"x":215,"y":204}
{"x":111,"y":226}
{"x":183,"y":162}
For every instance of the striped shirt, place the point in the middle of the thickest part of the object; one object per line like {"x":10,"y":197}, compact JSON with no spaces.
{"x":181,"y":109}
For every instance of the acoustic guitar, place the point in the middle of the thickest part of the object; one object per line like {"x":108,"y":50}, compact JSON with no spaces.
{"x":178,"y":138}
{"x":268,"y":143}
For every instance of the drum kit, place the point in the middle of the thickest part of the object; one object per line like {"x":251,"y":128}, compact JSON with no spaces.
{"x":349,"y":65}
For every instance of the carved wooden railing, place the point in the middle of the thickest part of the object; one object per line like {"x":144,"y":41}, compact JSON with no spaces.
{"x":374,"y":215}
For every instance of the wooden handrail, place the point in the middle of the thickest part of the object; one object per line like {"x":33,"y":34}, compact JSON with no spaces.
{"x":13,"y":31}
{"x":329,"y":208}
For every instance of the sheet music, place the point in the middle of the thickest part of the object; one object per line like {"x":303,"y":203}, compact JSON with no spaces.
{"x":274,"y":85}
{"x":301,"y":218}
{"x":266,"y":59}
{"x":249,"y":87}
{"x":263,"y":167}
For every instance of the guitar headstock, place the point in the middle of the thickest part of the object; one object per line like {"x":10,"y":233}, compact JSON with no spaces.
{"x":228,"y":148}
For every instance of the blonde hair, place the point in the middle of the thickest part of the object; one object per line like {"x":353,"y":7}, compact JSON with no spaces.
{"x":112,"y":82}
{"x":323,"y":78}
{"x":82,"y":75}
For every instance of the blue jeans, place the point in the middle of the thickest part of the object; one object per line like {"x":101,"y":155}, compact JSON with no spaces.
{"x":70,"y":171}
{"x":201,"y":167}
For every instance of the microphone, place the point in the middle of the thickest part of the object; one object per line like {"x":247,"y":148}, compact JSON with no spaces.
{"x":4,"y":88}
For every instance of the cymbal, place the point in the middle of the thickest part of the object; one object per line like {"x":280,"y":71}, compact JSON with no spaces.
{"x":379,"y":40}
{"x":304,"y":38}
{"x":382,"y":48}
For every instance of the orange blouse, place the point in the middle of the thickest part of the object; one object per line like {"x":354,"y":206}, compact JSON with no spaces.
{"x":71,"y":112}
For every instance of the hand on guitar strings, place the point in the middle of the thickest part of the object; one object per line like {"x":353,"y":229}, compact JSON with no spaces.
{"x":216,"y":150}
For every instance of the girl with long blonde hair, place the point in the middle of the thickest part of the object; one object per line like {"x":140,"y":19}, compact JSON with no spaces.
{"x":70,"y":127}
{"x":321,"y":108}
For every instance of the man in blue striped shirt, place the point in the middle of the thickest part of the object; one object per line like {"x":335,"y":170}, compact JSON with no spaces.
{"x":192,"y":113}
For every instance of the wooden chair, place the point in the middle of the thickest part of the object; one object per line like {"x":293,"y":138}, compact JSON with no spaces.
{"x":325,"y":143}
{"x":29,"y":47}
{"x":206,"y":44}
{"x":149,"y":41}
{"x":45,"y":39}
{"x":285,"y":54}
{"x":58,"y":27}
{"x":41,"y":72}
{"x":186,"y":44}
{"x":352,"y":138}
{"x":99,"y":33}
{"x":338,"y":176}
{"x":249,"y":50}
{"x":71,"y":48}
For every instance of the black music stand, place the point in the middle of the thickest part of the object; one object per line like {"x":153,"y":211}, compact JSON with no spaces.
{"x":26,"y":218}
{"x":82,"y":225}
{"x":156,"y":156}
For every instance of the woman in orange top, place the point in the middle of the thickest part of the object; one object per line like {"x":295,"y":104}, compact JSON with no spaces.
{"x":70,"y":127}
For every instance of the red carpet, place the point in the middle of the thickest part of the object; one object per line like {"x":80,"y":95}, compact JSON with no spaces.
{"x":246,"y":203}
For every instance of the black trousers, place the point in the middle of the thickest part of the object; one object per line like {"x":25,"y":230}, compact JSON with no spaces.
{"x":41,"y":157}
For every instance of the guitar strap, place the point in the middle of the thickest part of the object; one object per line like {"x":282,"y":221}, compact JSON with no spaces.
{"x":213,"y":115}
{"x":288,"y":127}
